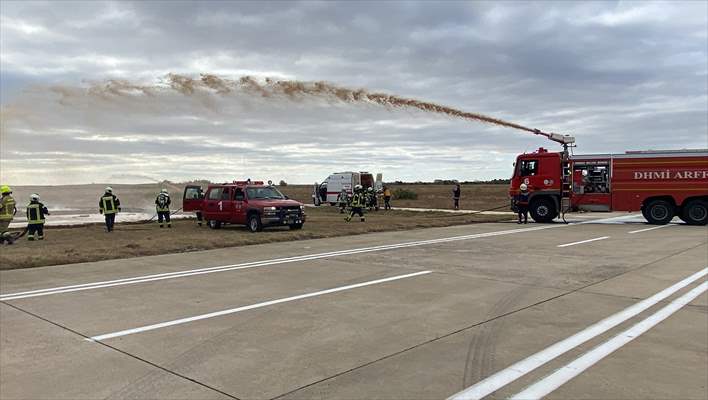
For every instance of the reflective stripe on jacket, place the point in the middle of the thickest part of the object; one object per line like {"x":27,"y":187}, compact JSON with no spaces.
{"x":162,"y":202}
{"x":35,"y":214}
{"x":358,"y":200}
{"x":7,"y":212}
{"x":108,"y":205}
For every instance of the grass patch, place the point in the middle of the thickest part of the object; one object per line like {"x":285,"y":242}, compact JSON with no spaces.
{"x":68,"y":245}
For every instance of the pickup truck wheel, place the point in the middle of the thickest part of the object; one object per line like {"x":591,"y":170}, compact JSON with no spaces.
{"x":543,"y":210}
{"x":214,"y":224}
{"x":695,"y":212}
{"x":294,"y":227}
{"x":659,"y":212}
{"x":254,"y":223}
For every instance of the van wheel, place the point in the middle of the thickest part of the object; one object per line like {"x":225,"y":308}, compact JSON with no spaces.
{"x":254,"y":223}
{"x":295,"y":227}
{"x":214,"y":224}
{"x":543,"y":210}
{"x":659,"y":212}
{"x":695,"y":212}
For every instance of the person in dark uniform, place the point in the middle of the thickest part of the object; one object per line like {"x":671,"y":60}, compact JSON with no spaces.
{"x":109,"y":205}
{"x":521,"y":201}
{"x":343,"y":200}
{"x":456,"y":192}
{"x":358,"y":204}
{"x":35,"y":218}
{"x":162,"y":206}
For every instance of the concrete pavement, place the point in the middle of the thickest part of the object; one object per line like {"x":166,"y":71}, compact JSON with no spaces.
{"x":496,"y":294}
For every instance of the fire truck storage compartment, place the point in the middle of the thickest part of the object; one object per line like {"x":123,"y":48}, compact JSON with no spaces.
{"x":591,"y":185}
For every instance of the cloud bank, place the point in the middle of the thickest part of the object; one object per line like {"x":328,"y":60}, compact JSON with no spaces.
{"x":618,"y":76}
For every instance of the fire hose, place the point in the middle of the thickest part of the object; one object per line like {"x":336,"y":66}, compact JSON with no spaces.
{"x":172,"y":213}
{"x":13,"y":235}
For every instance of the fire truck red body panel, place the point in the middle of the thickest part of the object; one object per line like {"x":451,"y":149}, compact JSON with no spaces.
{"x":618,"y":182}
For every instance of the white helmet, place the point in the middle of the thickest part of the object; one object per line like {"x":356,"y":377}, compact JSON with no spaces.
{"x":358,"y":187}
{"x":370,"y":189}
{"x":109,"y":189}
{"x":34,"y":197}
{"x":164,"y":191}
{"x":523,"y":187}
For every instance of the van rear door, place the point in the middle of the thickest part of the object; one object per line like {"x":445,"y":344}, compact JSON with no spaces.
{"x":192,"y":198}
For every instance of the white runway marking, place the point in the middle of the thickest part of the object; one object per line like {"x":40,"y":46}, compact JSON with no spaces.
{"x":255,"y":264}
{"x":263,"y":263}
{"x":250,"y":307}
{"x":583,"y":241}
{"x":650,"y":229}
{"x":552,"y":382}
{"x":510,"y":374}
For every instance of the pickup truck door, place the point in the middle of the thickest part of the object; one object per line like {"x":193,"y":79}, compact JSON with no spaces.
{"x":211,"y":203}
{"x":192,"y":199}
{"x":225,"y":205}
{"x":240,"y":205}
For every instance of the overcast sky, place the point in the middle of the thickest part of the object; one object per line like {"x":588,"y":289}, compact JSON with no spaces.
{"x":617,"y":75}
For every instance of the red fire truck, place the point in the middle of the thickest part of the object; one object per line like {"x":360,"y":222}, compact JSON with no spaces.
{"x":660,"y":184}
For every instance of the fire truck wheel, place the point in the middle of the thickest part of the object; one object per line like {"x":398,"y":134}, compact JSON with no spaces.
{"x":214,"y":224}
{"x":659,"y":212}
{"x":295,"y":227}
{"x":254,"y":223}
{"x":695,"y":212}
{"x":543,"y":210}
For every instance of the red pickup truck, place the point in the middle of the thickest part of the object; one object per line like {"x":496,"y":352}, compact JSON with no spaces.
{"x":244,"y":203}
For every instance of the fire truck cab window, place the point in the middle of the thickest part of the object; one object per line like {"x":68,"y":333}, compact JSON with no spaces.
{"x":225,"y":195}
{"x":215,"y":193}
{"x":528,"y":167}
{"x":239,"y":195}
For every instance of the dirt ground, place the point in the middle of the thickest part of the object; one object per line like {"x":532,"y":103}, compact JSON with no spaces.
{"x":140,"y":197}
{"x":474,"y":197}
{"x":64,"y":245}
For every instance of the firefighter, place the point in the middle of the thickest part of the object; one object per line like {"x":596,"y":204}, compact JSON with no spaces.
{"x":35,"y":218}
{"x":387,"y":198}
{"x":109,"y":205}
{"x":370,"y":198}
{"x":162,"y":206}
{"x":8,"y":209}
{"x":200,"y":219}
{"x":521,"y":201}
{"x":343,"y":201}
{"x":456,"y":192}
{"x":358,"y":203}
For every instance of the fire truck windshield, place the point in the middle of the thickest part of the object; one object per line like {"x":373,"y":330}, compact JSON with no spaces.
{"x":264,"y":193}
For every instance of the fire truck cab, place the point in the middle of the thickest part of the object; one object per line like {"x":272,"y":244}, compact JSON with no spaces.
{"x":253,"y":204}
{"x":660,"y":184}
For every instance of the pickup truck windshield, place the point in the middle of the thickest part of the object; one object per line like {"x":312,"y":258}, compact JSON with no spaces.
{"x":264,"y":193}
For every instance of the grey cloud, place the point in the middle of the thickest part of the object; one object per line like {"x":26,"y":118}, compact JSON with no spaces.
{"x":618,"y":75}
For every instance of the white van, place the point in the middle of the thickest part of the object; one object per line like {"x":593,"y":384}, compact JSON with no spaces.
{"x":329,"y":189}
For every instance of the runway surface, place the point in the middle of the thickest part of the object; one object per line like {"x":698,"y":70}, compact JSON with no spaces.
{"x":605,"y":307}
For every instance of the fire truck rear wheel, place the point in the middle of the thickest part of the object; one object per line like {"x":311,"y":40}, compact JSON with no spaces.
{"x":695,"y":212}
{"x":543,"y":210}
{"x":659,"y":212}
{"x":254,"y":223}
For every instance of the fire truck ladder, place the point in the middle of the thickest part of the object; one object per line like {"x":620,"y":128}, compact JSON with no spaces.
{"x":566,"y":184}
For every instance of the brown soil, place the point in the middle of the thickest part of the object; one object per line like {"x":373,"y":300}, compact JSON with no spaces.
{"x":90,"y":243}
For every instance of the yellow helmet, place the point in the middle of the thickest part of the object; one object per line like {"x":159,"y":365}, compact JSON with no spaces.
{"x":5,"y":189}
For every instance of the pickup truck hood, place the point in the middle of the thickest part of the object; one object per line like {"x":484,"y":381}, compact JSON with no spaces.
{"x":276,"y":203}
